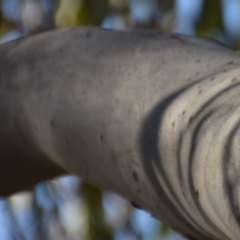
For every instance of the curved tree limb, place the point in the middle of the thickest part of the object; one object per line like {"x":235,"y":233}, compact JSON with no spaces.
{"x":152,"y":116}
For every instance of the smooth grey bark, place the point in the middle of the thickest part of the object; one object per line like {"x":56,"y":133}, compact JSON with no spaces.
{"x":151,"y":116}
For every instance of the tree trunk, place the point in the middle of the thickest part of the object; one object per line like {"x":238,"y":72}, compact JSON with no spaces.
{"x":151,"y":116}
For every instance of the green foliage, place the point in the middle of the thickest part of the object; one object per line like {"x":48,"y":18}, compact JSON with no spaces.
{"x":164,"y":229}
{"x":166,"y":4}
{"x":97,"y":228}
{"x":93,"y":12}
{"x":5,"y":26}
{"x":211,"y":19}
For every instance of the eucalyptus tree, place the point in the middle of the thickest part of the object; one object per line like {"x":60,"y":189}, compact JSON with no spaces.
{"x":149,"y":115}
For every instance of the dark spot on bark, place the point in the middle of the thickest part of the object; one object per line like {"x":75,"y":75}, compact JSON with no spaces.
{"x":139,"y":191}
{"x":88,"y":34}
{"x":173,"y":124}
{"x":200,"y":91}
{"x":197,"y":193}
{"x":190,"y":238}
{"x":135,"y":176}
{"x":234,"y":80}
{"x":183,"y":113}
{"x":230,"y":63}
{"x":224,"y":70}
{"x":174,"y":36}
{"x":190,"y":119}
{"x":237,"y":208}
{"x":212,"y":78}
{"x":52,"y":123}
{"x":197,"y":73}
{"x":101,"y":138}
{"x":135,"y":205}
{"x":61,"y":50}
{"x":83,"y":92}
{"x":19,"y":40}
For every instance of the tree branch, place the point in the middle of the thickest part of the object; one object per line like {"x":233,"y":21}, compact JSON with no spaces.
{"x":152,"y":116}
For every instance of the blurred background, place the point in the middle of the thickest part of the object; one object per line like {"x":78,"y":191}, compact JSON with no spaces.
{"x":67,"y":208}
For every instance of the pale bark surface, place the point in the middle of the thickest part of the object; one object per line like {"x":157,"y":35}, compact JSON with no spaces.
{"x":151,"y":116}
